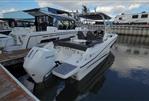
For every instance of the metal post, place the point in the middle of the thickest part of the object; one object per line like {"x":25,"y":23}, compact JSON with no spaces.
{"x":105,"y":29}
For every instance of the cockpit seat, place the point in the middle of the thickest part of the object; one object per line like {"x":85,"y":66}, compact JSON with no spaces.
{"x":90,"y":36}
{"x":81,"y":35}
{"x":99,"y":34}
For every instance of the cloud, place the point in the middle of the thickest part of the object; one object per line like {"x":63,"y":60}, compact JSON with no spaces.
{"x":106,"y":9}
{"x":133,"y":6}
{"x":111,"y":7}
{"x":6,"y":10}
{"x":60,"y":4}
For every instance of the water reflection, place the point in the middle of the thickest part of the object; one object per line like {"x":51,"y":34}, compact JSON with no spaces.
{"x":140,"y":75}
{"x":76,"y":92}
{"x":126,"y":61}
{"x":135,"y":40}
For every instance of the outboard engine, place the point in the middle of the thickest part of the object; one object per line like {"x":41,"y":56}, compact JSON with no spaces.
{"x":39,"y":62}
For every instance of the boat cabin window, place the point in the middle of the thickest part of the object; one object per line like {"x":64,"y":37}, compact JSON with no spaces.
{"x":3,"y":25}
{"x":24,"y":24}
{"x":50,"y":21}
{"x":11,"y":22}
{"x":144,"y":15}
{"x":135,"y":16}
{"x":66,"y":24}
{"x":43,"y":21}
{"x":99,"y":23}
{"x":18,"y":23}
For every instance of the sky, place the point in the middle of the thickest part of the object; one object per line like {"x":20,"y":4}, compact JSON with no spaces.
{"x":110,"y":7}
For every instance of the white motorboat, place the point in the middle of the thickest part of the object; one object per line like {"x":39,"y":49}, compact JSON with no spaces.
{"x":48,"y":27}
{"x":73,"y":58}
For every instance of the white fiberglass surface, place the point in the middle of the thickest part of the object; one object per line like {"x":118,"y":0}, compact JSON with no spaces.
{"x":68,"y":55}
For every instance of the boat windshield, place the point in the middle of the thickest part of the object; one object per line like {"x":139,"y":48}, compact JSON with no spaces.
{"x":62,"y":24}
{"x":66,"y":24}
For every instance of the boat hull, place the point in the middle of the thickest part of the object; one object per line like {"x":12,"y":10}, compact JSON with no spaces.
{"x":95,"y":62}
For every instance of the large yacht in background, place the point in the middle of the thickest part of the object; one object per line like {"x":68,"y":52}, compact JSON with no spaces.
{"x":75,"y":57}
{"x":138,"y":18}
{"x":48,"y":27}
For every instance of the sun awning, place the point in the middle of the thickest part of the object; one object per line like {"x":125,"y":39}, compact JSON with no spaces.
{"x":41,"y":12}
{"x":17,"y":15}
{"x":38,"y":11}
{"x":57,"y":16}
{"x":34,"y":12}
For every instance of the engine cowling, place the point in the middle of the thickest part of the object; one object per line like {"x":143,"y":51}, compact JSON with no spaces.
{"x":39,"y":62}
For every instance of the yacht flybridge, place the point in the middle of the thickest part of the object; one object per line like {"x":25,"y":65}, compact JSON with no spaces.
{"x":74,"y":57}
{"x":46,"y":27}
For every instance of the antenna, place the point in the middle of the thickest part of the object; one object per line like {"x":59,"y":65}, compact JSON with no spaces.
{"x":81,"y":3}
{"x":95,"y":9}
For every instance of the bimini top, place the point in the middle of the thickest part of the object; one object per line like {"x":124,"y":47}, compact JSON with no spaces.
{"x":59,"y":15}
{"x":36,"y":11}
{"x":95,"y":16}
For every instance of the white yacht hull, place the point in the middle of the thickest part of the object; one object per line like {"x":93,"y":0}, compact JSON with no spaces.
{"x":70,"y":62}
{"x":94,"y":63}
{"x":93,"y":57}
{"x":89,"y":67}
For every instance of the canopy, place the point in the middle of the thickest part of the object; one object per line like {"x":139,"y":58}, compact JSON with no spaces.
{"x":41,"y":12}
{"x":18,"y":15}
{"x":36,"y":11}
{"x":57,"y":16}
{"x":95,"y":16}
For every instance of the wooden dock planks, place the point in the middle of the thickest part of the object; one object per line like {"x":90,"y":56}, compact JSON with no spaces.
{"x":13,"y":57}
{"x":11,"y":90}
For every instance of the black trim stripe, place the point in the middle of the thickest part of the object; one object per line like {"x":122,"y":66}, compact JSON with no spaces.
{"x":98,"y":60}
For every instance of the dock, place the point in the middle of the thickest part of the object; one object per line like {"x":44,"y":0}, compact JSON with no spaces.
{"x":11,"y":89}
{"x":14,"y":57}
